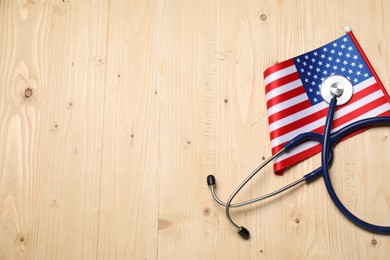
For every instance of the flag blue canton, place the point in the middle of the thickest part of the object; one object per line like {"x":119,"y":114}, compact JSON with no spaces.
{"x":339,"y":57}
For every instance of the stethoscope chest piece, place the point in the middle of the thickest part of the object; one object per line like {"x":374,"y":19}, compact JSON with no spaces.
{"x":338,"y":86}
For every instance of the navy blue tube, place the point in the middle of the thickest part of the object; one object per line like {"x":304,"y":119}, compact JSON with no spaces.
{"x":303,"y":138}
{"x":326,"y":149}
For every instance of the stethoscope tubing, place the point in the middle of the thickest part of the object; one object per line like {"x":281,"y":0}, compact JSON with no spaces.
{"x":328,"y":141}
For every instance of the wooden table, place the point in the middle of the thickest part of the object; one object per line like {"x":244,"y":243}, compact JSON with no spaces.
{"x":112,"y":114}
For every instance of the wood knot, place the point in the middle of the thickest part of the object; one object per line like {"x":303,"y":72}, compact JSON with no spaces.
{"x":206,"y":212}
{"x":263,"y":17}
{"x":297,"y":220}
{"x":226,"y":100}
{"x":28,"y":92}
{"x":374,"y":242}
{"x":21,"y":239}
{"x":163,"y":224}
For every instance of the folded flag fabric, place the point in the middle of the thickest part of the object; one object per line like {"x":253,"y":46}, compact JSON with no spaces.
{"x":294,"y":102}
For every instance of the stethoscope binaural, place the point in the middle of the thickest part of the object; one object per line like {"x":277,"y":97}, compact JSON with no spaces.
{"x":336,"y":90}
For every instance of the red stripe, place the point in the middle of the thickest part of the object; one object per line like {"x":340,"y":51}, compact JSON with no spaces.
{"x":281,"y":81}
{"x":369,"y":64}
{"x":317,"y":115}
{"x":285,"y":96}
{"x":278,"y":66}
{"x":288,"y":111}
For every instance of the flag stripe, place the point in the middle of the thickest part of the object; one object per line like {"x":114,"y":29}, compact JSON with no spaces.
{"x":279,"y":74}
{"x":284,"y":88}
{"x":286,"y":96}
{"x":278,"y":66}
{"x":286,"y":104}
{"x":282,"y":81}
{"x":288,"y":118}
{"x":287,"y":112}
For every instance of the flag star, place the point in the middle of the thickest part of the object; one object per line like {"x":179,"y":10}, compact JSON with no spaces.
{"x":306,"y":57}
{"x":306,"y":80}
{"x":348,"y":77}
{"x":337,"y":60}
{"x":347,"y":55}
{"x":315,"y":100}
{"x":345,"y":62}
{"x":322,"y":56}
{"x":358,"y":73}
{"x":335,"y":67}
{"x":335,"y":44}
{"x":340,"y":53}
{"x":342,"y":69}
{"x":355,"y":80}
{"x":332,"y":73}
{"x":315,"y":76}
{"x":332,"y":51}
{"x":310,"y":90}
{"x":322,"y":79}
{"x":317,"y":93}
{"x":353,"y":64}
{"x":355,"y":57}
{"x":345,"y":39}
{"x":298,"y":60}
{"x":313,"y":83}
{"x":318,"y":69}
{"x":313,"y":60}
{"x":325,"y":49}
{"x":350,"y":71}
{"x":327,"y":65}
{"x":304,"y":63}
{"x":315,"y":53}
{"x":308,"y":73}
{"x":350,"y":48}
{"x":330,"y":58}
{"x":311,"y":67}
{"x":302,"y":70}
{"x":365,"y":75}
{"x":320,"y":63}
{"x":360,"y":66}
{"x":342,"y":46}
{"x":325,"y":72}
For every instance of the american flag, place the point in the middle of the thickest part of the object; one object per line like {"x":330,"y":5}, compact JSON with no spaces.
{"x":295,"y":105}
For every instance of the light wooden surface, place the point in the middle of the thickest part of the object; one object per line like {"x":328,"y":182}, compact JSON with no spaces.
{"x":113,"y":112}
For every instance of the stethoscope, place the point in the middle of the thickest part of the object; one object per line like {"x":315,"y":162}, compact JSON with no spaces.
{"x":336,"y":90}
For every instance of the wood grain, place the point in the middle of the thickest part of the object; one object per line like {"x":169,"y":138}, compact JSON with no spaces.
{"x":112,"y":114}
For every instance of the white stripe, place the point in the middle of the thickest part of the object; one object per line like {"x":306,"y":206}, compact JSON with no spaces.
{"x":282,"y":89}
{"x":279,"y":74}
{"x":286,"y":104}
{"x":309,"y":144}
{"x":320,"y":122}
{"x":317,"y":107}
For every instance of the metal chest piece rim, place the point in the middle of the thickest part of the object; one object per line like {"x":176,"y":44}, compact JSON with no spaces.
{"x":338,"y":86}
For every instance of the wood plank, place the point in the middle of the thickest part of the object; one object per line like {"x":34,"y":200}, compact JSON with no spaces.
{"x":51,"y":135}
